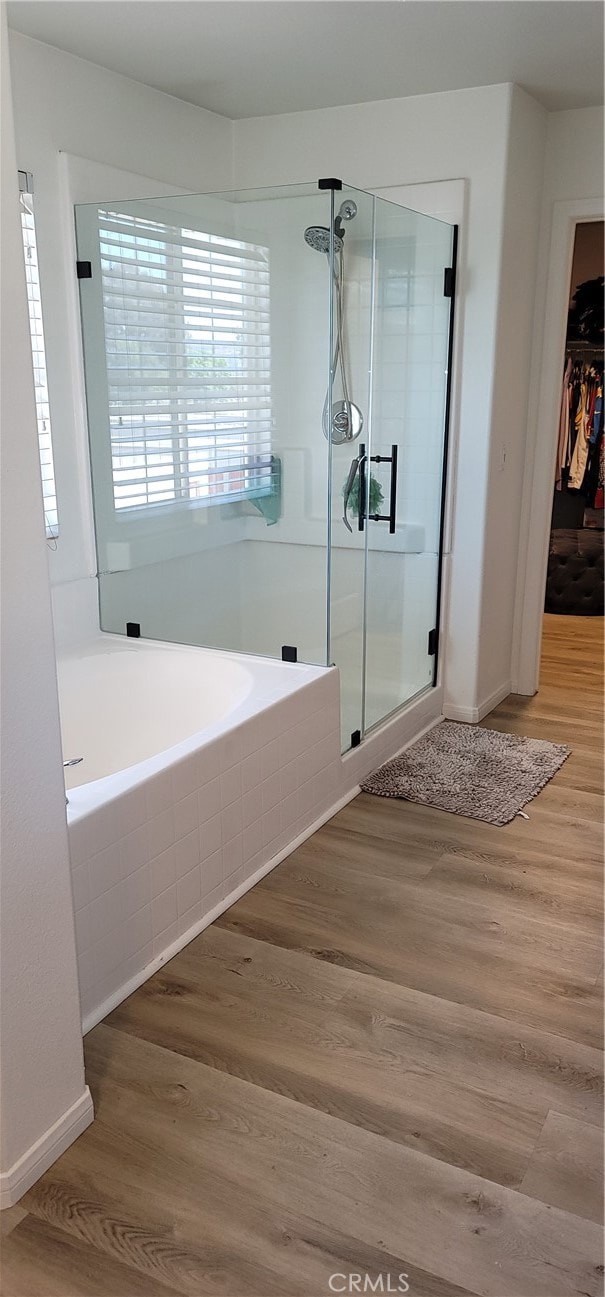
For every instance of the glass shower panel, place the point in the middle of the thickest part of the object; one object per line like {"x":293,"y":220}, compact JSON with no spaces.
{"x":206,"y":332}
{"x":266,"y":377}
{"x":352,"y":320}
{"x":405,"y":455}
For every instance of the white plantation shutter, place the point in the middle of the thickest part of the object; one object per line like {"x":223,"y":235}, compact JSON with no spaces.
{"x":38,"y":354}
{"x":186,"y":318}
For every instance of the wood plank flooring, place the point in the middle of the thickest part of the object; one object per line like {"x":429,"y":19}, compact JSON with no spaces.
{"x":383,"y":1060}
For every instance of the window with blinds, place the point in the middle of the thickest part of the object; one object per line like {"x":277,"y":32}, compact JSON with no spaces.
{"x":38,"y":354}
{"x":186,"y":318}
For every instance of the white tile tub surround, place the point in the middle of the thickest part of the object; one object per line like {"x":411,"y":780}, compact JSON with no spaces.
{"x":156,"y":850}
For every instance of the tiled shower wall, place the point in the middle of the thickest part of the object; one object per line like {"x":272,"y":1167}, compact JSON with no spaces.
{"x":149,"y":866}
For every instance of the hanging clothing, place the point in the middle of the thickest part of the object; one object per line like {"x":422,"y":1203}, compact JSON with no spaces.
{"x":596,"y":418}
{"x":579,"y":458}
{"x":580,"y":437}
{"x":599,"y":500}
{"x":563,"y":440}
{"x":593,"y":476}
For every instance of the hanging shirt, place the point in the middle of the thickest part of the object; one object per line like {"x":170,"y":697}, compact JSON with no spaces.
{"x":563,"y":439}
{"x":583,"y":428}
{"x":596,"y":417}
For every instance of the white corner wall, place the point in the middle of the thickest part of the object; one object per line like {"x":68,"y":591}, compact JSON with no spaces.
{"x":462,"y":134}
{"x":514,"y":338}
{"x":491,"y":137}
{"x":573,"y":165}
{"x":572,"y":190}
{"x":45,"y":1102}
{"x":65,"y":105}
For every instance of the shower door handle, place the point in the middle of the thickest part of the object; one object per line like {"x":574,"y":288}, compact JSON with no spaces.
{"x":391,"y":516}
{"x":361,"y":496}
{"x":393,"y":492}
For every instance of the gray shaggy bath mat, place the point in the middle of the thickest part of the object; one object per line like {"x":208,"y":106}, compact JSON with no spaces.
{"x":470,"y":771}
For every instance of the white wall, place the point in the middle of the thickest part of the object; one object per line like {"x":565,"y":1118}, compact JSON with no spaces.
{"x":572,"y":190}
{"x":64,"y":104}
{"x":45,"y":1102}
{"x":60,"y":103}
{"x":527,"y":136}
{"x":429,"y":138}
{"x":475,"y":134}
{"x":573,"y":165}
{"x":492,"y":137}
{"x":408,"y":141}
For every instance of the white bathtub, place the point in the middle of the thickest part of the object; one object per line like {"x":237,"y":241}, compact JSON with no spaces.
{"x":201,"y":769}
{"x":121,"y":705}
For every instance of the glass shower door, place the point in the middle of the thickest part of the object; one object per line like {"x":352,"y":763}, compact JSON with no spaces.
{"x":385,"y":570}
{"x":406,"y":456}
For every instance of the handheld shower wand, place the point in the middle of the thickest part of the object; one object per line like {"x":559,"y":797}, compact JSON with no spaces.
{"x":344,"y":421}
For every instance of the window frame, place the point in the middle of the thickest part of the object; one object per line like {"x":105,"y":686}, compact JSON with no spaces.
{"x":35,"y":315}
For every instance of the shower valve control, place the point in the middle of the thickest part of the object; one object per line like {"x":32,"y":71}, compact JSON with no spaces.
{"x":346,"y":422}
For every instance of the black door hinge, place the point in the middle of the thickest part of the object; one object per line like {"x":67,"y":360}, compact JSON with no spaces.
{"x":289,"y":653}
{"x":355,"y":738}
{"x":133,"y":629}
{"x":449,"y":281}
{"x":432,"y":642}
{"x":84,"y":269}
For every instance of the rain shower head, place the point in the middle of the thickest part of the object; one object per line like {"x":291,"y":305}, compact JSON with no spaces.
{"x":318,"y":237}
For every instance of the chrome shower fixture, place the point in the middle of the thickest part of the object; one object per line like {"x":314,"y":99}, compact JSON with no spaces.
{"x":347,"y":210}
{"x":344,"y":421}
{"x":318,"y":236}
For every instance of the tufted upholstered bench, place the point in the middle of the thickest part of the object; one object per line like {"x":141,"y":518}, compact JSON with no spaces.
{"x":574,"y":582}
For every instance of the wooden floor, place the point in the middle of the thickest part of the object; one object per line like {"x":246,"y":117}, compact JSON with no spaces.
{"x":383,"y":1060}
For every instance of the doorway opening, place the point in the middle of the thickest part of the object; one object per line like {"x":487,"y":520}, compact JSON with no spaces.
{"x":573,"y":606}
{"x":554,"y":296}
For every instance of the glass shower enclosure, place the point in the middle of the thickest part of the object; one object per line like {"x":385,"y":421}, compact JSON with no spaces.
{"x":267,"y":384}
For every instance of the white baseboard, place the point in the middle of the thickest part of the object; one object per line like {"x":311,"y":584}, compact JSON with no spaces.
{"x":16,"y":1181}
{"x":96,"y":1015}
{"x":471,"y":715}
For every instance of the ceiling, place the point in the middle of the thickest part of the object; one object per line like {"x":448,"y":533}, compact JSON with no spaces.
{"x":259,"y":57}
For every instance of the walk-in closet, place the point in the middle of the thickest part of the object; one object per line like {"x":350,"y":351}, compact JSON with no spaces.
{"x":575,"y":568}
